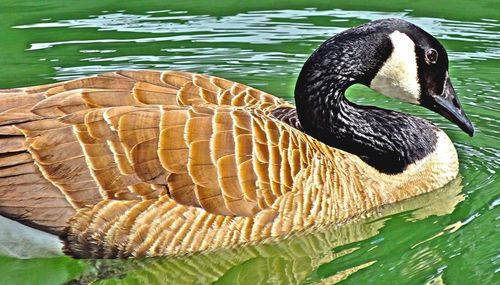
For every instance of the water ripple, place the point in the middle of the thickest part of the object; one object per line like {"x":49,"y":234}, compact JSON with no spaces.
{"x":266,"y":49}
{"x":266,"y":27}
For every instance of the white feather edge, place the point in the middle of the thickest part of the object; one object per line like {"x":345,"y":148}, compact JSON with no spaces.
{"x":20,"y":241}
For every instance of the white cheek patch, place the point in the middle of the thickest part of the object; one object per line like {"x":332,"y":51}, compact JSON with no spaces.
{"x":398,"y":76}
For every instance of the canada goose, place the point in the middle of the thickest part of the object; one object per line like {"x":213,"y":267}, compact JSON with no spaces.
{"x":149,"y":163}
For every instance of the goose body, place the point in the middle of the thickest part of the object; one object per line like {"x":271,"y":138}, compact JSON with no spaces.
{"x":150,"y":163}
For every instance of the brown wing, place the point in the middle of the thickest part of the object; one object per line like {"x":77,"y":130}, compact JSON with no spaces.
{"x":100,"y":137}
{"x":227,"y":171}
{"x":25,"y":194}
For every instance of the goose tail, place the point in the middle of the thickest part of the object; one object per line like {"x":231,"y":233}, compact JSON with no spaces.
{"x":26,"y":196}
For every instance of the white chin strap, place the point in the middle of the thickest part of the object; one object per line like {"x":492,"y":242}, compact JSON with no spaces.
{"x":398,"y":77}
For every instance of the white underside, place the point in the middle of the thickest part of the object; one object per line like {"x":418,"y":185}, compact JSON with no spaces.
{"x":20,"y":241}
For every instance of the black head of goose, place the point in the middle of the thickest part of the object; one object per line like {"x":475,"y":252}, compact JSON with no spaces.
{"x":395,"y":58}
{"x":148,"y":163}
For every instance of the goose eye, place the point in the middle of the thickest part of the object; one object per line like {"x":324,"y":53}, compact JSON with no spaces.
{"x":431,"y":56}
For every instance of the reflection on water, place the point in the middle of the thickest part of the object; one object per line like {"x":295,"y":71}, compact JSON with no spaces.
{"x":261,"y":27}
{"x":291,"y":261}
{"x":255,"y":27}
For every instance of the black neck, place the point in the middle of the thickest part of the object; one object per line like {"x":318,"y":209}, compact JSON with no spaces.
{"x":387,"y":140}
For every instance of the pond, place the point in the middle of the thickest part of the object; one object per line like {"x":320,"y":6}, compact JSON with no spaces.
{"x":450,"y":236}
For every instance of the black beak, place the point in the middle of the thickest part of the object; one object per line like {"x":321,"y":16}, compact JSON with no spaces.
{"x":448,"y":106}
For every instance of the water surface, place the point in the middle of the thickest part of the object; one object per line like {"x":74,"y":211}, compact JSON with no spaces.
{"x":449,"y":236}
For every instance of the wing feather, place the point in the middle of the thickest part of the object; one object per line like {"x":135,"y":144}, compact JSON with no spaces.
{"x":174,"y":150}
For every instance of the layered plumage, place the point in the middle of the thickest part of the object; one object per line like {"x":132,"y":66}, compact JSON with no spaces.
{"x":289,"y":261}
{"x":146,"y":163}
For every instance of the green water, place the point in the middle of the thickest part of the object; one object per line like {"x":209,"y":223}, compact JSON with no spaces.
{"x":450,"y":236}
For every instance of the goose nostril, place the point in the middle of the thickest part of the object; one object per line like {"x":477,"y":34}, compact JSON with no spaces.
{"x":455,"y":103}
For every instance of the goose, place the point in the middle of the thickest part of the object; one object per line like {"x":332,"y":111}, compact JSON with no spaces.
{"x":162,"y":163}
